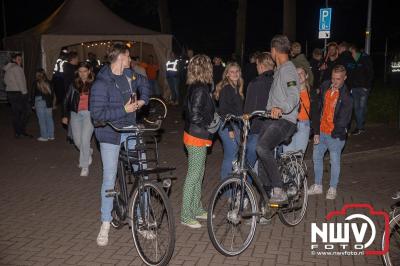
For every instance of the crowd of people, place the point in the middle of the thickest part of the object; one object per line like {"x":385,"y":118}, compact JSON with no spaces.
{"x":307,"y":99}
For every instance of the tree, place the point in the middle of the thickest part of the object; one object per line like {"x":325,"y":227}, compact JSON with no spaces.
{"x":164,"y":16}
{"x":289,"y":19}
{"x":240,"y":28}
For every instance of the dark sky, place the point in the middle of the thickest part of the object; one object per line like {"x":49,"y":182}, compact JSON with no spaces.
{"x":208,"y":26}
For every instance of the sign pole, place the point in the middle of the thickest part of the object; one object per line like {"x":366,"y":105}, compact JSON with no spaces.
{"x":385,"y":66}
{"x":4,"y":22}
{"x":368,"y":30}
{"x":325,"y":40}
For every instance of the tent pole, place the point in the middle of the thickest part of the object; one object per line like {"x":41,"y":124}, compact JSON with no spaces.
{"x":4,"y":22}
{"x":141,"y":51}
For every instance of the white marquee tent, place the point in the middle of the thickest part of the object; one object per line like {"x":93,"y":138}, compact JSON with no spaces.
{"x":82,"y":21}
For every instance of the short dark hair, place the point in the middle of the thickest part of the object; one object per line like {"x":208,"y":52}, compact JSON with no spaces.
{"x":72,"y":55}
{"x":116,"y":49}
{"x":15,"y":55}
{"x":135,"y":58}
{"x":354,"y":47}
{"x":281,"y":43}
{"x":317,"y":52}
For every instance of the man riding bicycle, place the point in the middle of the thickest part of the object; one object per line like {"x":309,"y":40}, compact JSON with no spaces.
{"x":283,"y":102}
{"x":113,"y":99}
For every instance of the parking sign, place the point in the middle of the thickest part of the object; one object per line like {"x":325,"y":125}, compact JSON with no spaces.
{"x":325,"y":16}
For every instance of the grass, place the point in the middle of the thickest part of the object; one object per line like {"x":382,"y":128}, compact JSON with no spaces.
{"x":384,"y":104}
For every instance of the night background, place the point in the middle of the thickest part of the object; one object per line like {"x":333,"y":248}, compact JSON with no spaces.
{"x":208,"y":26}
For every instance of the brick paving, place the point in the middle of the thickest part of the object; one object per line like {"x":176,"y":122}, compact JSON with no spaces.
{"x":50,"y":215}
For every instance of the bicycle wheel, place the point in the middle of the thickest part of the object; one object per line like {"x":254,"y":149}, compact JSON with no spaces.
{"x":152,"y":224}
{"x":230,"y":231}
{"x":296,"y":187}
{"x":155,"y":110}
{"x":119,"y":210}
{"x":392,"y":257}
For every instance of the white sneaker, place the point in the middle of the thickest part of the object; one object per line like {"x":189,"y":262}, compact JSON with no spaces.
{"x":102,"y":237}
{"x":192,"y":224}
{"x":52,"y":138}
{"x":42,"y":139}
{"x":202,"y":216}
{"x":315,"y":190}
{"x":331,"y":194}
{"x":85,"y":171}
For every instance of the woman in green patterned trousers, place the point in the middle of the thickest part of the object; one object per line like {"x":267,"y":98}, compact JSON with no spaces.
{"x":199,"y":113}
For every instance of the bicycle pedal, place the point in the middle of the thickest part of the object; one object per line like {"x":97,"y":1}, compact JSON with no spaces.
{"x":274,"y":205}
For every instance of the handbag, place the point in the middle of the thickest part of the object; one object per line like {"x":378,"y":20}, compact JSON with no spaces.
{"x":215,"y":124}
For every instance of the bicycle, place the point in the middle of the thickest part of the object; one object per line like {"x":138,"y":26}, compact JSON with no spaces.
{"x":234,"y":208}
{"x":392,"y":257}
{"x":154,"y":111}
{"x":145,"y":205}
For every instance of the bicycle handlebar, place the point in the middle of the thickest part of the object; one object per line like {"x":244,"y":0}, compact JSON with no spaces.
{"x":135,"y":129}
{"x":259,"y":113}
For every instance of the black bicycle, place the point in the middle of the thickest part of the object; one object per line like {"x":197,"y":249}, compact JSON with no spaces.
{"x":392,"y":257}
{"x":143,"y":203}
{"x":235,"y":207}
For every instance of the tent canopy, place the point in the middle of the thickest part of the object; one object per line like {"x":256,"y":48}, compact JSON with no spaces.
{"x":79,"y":21}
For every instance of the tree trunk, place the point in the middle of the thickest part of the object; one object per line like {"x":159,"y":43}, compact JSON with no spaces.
{"x":289,"y":19}
{"x":163,"y":14}
{"x":240,"y":29}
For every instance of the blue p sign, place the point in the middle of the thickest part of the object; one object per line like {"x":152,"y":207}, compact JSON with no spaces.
{"x":325,"y":16}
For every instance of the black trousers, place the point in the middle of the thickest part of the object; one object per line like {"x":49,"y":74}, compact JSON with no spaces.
{"x":273,"y":133}
{"x":59,"y":89}
{"x":20,"y":111}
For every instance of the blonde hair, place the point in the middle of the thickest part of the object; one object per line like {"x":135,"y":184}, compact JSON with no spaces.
{"x":306,"y":82}
{"x":200,"y":70}
{"x":42,"y":82}
{"x":339,"y":68}
{"x":226,"y":81}
{"x":265,"y":59}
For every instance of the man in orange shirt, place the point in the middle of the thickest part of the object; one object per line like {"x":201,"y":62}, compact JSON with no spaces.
{"x":330,"y":127}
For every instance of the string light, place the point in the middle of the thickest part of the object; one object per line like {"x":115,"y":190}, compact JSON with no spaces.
{"x":106,"y":44}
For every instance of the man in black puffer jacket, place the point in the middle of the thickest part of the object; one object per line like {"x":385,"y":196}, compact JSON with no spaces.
{"x":112,"y":99}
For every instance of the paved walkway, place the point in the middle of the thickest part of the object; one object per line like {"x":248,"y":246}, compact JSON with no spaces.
{"x":50,"y":215}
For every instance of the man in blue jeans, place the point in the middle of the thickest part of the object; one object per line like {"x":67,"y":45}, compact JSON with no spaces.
{"x":256,"y":99}
{"x":330,"y":127}
{"x":361,"y":83}
{"x":111,"y":101}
